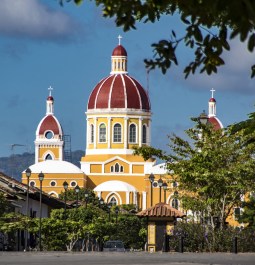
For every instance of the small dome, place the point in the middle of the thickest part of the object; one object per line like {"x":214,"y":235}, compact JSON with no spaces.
{"x":55,"y":166}
{"x":119,"y":51}
{"x":115,"y":185}
{"x":50,"y":98}
{"x":119,"y":91}
{"x":49,"y":123}
{"x":212,"y":100}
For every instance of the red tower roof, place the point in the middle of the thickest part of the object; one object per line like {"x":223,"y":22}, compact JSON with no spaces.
{"x":119,"y":51}
{"x":119,"y":91}
{"x":212,"y":100}
{"x":50,"y":123}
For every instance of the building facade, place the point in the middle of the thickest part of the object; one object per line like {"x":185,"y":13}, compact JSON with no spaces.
{"x":118,"y":118}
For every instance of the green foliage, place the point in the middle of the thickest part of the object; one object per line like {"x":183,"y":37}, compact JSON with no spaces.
{"x":215,"y":170}
{"x":132,"y":231}
{"x":4,"y":204}
{"x":209,"y":27}
{"x":199,"y":238}
{"x":248,"y":215}
{"x":12,"y":222}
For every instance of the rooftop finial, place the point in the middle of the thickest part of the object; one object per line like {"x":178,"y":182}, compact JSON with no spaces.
{"x":119,"y":37}
{"x":212,"y":90}
{"x":50,"y":89}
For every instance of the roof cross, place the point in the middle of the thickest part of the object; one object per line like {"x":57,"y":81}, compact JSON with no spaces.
{"x":50,"y":89}
{"x":119,"y":37}
{"x":212,"y":90}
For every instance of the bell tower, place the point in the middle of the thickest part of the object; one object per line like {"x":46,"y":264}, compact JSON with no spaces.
{"x":49,"y":142}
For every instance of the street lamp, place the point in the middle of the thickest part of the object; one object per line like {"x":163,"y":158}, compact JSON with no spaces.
{"x":86,"y":197}
{"x":41,"y":177}
{"x":151,"y":178}
{"x":109,"y":211}
{"x":65,"y":185}
{"x":28,"y":174}
{"x":164,"y":188}
{"x":77,"y":190}
{"x":160,"y":183}
{"x":203,"y":118}
{"x":116,"y":212}
{"x":101,"y":202}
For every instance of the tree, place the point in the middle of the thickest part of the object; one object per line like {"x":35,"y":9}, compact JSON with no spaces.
{"x":209,"y":27}
{"x":215,"y":168}
{"x":4,"y":204}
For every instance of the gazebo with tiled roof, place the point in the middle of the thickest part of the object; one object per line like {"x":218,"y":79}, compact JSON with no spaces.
{"x":161,"y":219}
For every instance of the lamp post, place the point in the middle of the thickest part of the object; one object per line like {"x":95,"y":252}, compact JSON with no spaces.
{"x":77,"y":190}
{"x":164,"y":188}
{"x":109,"y":211}
{"x":160,"y":183}
{"x":203,"y":118}
{"x":151,"y":178}
{"x":86,"y":197}
{"x":116,"y":212}
{"x":41,"y":177}
{"x":65,"y":185}
{"x":101,"y":202}
{"x":28,"y":174}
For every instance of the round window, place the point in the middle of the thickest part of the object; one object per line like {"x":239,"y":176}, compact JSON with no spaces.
{"x":73,"y":183}
{"x":53,"y":183}
{"x":49,"y":135}
{"x":32,"y":183}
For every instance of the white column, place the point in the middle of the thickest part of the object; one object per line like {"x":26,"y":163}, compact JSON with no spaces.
{"x":135,"y":197}
{"x":149,"y":132}
{"x":125,"y":131}
{"x":127,"y":197}
{"x":140,"y":132}
{"x":144,"y":200}
{"x":109,"y":132}
{"x":99,"y":194}
{"x":88,"y":133}
{"x":95,"y":133}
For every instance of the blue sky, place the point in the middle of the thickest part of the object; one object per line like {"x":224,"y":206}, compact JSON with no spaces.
{"x":69,"y":48}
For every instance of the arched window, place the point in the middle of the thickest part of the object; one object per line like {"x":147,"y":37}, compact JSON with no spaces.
{"x":175,"y":203}
{"x":117,"y":133}
{"x":132,"y":133}
{"x":92,"y":133}
{"x":48,"y":157}
{"x":102,"y":133}
{"x":144,"y":134}
{"x":113,"y":201}
{"x":117,"y":168}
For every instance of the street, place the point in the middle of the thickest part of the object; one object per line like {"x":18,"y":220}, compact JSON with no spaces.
{"x":134,"y":258}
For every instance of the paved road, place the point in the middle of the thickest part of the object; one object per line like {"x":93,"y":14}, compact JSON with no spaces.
{"x":137,"y":258}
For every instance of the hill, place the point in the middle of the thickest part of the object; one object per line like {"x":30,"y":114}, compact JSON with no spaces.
{"x":13,"y":165}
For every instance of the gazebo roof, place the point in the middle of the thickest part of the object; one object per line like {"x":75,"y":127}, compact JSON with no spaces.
{"x":161,"y":210}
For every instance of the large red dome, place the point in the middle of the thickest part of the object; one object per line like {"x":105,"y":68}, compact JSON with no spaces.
{"x":119,"y":91}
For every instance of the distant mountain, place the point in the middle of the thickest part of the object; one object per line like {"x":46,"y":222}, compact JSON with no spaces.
{"x":14,"y":165}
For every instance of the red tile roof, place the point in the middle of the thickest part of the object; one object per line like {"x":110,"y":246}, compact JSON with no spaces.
{"x":161,"y":210}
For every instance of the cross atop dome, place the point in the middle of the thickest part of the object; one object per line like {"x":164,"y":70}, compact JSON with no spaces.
{"x":119,"y":37}
{"x":50,"y":89}
{"x":212,"y":90}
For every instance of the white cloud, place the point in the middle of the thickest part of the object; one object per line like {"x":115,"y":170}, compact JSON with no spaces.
{"x":32,"y":19}
{"x":233,"y":76}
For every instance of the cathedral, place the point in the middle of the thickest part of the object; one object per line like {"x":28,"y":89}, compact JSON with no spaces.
{"x":118,"y":118}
